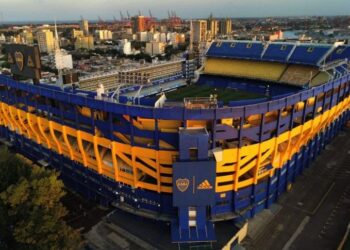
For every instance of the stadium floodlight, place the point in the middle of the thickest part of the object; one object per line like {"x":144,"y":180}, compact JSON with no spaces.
{"x":117,"y":92}
{"x":137,"y":95}
{"x":160,"y":102}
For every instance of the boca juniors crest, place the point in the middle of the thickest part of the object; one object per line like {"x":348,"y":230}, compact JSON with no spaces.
{"x":19,"y":58}
{"x":182,"y":184}
{"x":24,"y":60}
{"x":194,"y":183}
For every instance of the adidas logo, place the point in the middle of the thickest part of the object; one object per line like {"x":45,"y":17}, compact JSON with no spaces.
{"x":204,"y":185}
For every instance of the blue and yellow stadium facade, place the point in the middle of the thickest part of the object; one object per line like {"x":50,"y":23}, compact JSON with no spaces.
{"x":191,"y":167}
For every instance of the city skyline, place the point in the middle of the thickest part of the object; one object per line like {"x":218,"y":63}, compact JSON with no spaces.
{"x":45,"y":10}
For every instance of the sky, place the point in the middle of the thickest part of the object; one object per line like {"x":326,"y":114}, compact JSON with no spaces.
{"x":40,"y":10}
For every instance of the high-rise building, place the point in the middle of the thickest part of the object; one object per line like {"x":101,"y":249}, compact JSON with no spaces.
{"x":213,"y":27}
{"x":84,"y":26}
{"x":139,"y":24}
{"x":84,"y":42}
{"x":76,"y":33}
{"x":46,"y":41}
{"x":199,"y":31}
{"x":225,"y":26}
{"x":142,"y":23}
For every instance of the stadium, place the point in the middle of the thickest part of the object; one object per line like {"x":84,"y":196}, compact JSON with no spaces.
{"x":222,"y":148}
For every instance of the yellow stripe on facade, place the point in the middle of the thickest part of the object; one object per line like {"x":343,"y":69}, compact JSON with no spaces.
{"x":131,"y":165}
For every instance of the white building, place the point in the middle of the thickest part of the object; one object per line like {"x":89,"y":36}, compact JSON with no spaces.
{"x":173,"y":38}
{"x":163,"y":38}
{"x":127,"y":48}
{"x":124,"y":46}
{"x":143,"y":36}
{"x":156,"y":37}
{"x":63,"y":60}
{"x":2,"y":38}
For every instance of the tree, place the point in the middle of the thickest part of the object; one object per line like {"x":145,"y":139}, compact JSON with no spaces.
{"x":30,"y":208}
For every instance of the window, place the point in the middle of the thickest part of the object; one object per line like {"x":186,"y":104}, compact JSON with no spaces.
{"x":194,"y":153}
{"x":310,"y":49}
{"x":232,"y":45}
{"x":339,"y":51}
{"x":219,"y":44}
{"x":283,"y":47}
{"x":249,"y":45}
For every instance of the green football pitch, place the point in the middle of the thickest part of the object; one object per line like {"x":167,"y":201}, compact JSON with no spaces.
{"x":224,"y":95}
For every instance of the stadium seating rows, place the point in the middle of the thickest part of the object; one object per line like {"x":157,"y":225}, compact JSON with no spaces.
{"x":308,"y":54}
{"x":319,"y":79}
{"x":239,"y":50}
{"x":277,"y":52}
{"x":271,"y":71}
{"x":340,"y":52}
{"x":298,"y":74}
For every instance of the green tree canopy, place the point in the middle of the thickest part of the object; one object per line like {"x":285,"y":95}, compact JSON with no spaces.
{"x":30,"y":209}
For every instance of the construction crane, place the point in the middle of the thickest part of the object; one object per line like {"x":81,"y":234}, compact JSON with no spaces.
{"x":174,"y":21}
{"x":126,"y":22}
{"x":101,"y":23}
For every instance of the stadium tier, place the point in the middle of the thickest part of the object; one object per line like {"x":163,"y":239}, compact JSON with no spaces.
{"x":271,"y":71}
{"x":309,"y":55}
{"x":294,"y":64}
{"x":277,"y":52}
{"x":339,"y":53}
{"x":299,"y":75}
{"x":192,"y":165}
{"x":237,"y":50}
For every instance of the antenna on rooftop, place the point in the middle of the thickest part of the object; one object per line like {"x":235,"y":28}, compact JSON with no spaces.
{"x":1,"y":18}
{"x":57,"y":41}
{"x":191,"y":36}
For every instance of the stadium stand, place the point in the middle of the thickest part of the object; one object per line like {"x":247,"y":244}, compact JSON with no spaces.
{"x":243,"y":68}
{"x":277,"y":52}
{"x":340,"y":52}
{"x":253,"y":86}
{"x":298,"y":74}
{"x":236,"y":49}
{"x":309,"y":54}
{"x":320,"y":78}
